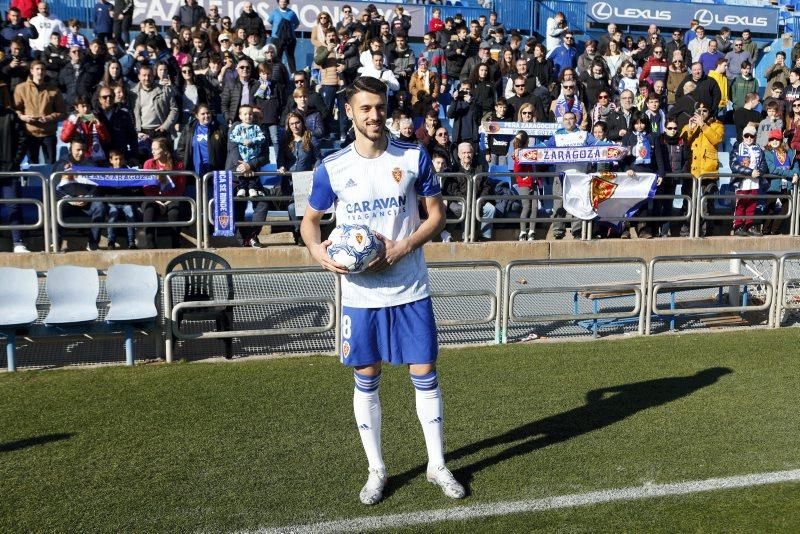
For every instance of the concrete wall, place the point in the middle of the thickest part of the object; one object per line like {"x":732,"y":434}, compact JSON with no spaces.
{"x":501,"y":251}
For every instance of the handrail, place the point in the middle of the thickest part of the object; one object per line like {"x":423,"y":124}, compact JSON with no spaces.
{"x":466,"y":201}
{"x":194,"y":202}
{"x":42,"y":206}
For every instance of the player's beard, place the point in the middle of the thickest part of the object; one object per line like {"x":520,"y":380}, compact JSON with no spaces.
{"x":368,"y":130}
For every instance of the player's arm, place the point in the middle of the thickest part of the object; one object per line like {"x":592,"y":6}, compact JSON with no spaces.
{"x":312,"y":236}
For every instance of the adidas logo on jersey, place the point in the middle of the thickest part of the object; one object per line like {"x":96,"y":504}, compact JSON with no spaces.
{"x":350,"y":183}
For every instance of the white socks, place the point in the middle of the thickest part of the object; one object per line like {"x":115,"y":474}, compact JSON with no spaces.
{"x":367,"y":408}
{"x":430,"y":412}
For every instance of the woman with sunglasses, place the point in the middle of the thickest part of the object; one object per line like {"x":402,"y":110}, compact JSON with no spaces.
{"x":604,"y":107}
{"x":192,"y":91}
{"x":320,"y":28}
{"x":676,"y":73}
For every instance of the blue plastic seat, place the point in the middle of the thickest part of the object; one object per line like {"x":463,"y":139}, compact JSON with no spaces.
{"x":18,"y":294}
{"x":72,"y":292}
{"x":132,"y":290}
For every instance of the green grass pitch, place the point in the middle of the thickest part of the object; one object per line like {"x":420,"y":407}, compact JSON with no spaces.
{"x":223,"y":447}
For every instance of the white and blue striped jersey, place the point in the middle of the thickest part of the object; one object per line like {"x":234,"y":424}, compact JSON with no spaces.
{"x":381,"y":193}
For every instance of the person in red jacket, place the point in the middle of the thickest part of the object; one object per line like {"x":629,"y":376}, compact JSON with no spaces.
{"x":168,"y":186}
{"x":656,"y":66}
{"x":436,"y":23}
{"x":83,"y":125}
{"x":27,"y":8}
{"x":524,"y":183}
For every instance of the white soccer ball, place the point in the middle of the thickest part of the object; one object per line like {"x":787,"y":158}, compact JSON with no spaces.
{"x":354,"y":246}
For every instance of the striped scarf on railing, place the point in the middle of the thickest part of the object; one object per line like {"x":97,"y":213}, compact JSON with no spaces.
{"x":224,"y":225}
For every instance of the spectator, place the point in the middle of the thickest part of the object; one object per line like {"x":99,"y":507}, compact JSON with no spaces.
{"x":703,"y":134}
{"x":155,"y":111}
{"x":12,"y":131}
{"x":311,"y":117}
{"x":656,"y":66}
{"x":73,"y":37}
{"x":239,"y":92}
{"x":677,"y":45}
{"x":724,"y":42}
{"x":69,"y":188}
{"x":427,"y":130}
{"x":14,"y":68}
{"x":54,"y":57}
{"x":524,"y":184}
{"x":784,"y":169}
{"x":640,"y":159}
{"x":737,"y":57}
{"x":655,"y":116}
{"x":483,"y":90}
{"x":191,"y":91}
{"x":626,"y":79}
{"x":456,"y":53}
{"x":611,"y":29}
{"x":778,"y":72}
{"x":465,"y":112}
{"x":250,"y":141}
{"x":699,"y":44}
{"x":17,"y":26}
{"x":203,"y":143}
{"x":706,"y":89}
{"x":675,"y":78}
{"x":401,"y":60}
{"x":435,"y":23}
{"x":565,"y":55}
{"x":483,"y":57}
{"x":40,"y":106}
{"x":83,"y":125}
{"x":467,"y":165}
{"x":585,"y":60}
{"x":123,"y":18}
{"x":497,"y":145}
{"x":270,"y":97}
{"x":792,"y":91}
{"x":400,"y":20}
{"x":377,"y":70}
{"x":118,"y":122}
{"x":556,"y":27}
{"x":603,"y":109}
{"x":748,"y":162}
{"x":743,"y":84}
{"x":434,"y":54}
{"x":793,"y":126}
{"x":710,"y":57}
{"x":284,"y":22}
{"x":672,"y":157}
{"x":45,"y":26}
{"x":424,"y":82}
{"x":441,"y":143}
{"x":747,"y":114}
{"x":74,"y":77}
{"x":749,"y":46}
{"x":191,"y":13}
{"x":124,"y":210}
{"x":103,"y":21}
{"x":569,"y":103}
{"x":614,"y":58}
{"x":168,"y":186}
{"x":718,"y":75}
{"x":619,"y":122}
{"x":773,"y":121}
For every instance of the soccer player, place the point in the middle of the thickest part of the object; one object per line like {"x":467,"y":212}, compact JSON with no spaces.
{"x":387,"y":315}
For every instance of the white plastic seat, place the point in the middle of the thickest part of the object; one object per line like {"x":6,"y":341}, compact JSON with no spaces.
{"x":18,"y":294}
{"x":132,"y":290}
{"x":72,"y":292}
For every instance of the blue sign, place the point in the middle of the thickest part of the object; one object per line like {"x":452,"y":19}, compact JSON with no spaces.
{"x":677,"y":15}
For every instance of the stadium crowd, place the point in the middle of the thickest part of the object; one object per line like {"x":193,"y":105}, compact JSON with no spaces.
{"x":217,"y":92}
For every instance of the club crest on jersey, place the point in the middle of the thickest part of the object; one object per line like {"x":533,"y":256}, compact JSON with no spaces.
{"x":397,"y":174}
{"x":346,"y":349}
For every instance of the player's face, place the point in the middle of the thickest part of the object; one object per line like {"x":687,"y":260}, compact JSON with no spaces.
{"x":368,"y":112}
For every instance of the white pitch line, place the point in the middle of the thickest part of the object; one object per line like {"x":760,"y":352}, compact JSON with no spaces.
{"x":462,"y":513}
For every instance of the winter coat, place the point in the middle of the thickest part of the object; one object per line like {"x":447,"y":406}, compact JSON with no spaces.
{"x":103,"y":22}
{"x":704,"y":145}
{"x":784,"y":172}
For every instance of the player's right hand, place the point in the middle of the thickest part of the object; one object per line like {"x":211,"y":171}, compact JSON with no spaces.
{"x":320,"y":254}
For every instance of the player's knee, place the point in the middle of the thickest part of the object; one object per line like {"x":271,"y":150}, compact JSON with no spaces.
{"x":421,"y":368}
{"x":425,"y":381}
{"x":369,"y":370}
{"x":367,"y":383}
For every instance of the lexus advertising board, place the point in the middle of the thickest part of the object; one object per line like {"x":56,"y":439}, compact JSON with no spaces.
{"x":711,"y":16}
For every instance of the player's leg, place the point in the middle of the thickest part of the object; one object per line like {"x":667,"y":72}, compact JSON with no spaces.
{"x":414,"y":332}
{"x":358,"y":350}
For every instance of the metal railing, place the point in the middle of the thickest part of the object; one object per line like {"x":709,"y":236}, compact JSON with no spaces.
{"x":42,"y":206}
{"x":208,"y":204}
{"x":171,"y":310}
{"x":466,"y":209}
{"x":56,"y":215}
{"x":494,"y":296}
{"x":656,"y":285}
{"x":783,"y":288}
{"x":637,"y":290}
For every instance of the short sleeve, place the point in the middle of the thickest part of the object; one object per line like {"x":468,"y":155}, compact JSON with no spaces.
{"x":321,"y":196}
{"x":426,"y":185}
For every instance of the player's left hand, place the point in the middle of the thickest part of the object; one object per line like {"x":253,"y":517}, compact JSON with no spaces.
{"x":393,"y":251}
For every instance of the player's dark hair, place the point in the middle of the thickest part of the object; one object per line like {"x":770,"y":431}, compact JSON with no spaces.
{"x":366,"y":84}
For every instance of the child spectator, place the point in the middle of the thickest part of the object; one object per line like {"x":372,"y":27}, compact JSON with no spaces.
{"x":73,"y":37}
{"x":251,"y":142}
{"x":772,"y":122}
{"x":747,"y":160}
{"x":121,"y":211}
{"x":83,"y":125}
{"x":524,"y":183}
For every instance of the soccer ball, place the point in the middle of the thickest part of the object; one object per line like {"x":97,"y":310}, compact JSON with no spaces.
{"x":354,"y":246}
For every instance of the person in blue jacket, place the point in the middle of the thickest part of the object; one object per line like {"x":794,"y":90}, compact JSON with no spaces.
{"x":284,"y":23}
{"x":784,"y":170}
{"x":103,"y":21}
{"x":565,"y":56}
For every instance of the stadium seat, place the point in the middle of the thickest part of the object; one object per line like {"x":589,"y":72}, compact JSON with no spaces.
{"x":132,"y":290}
{"x":72,"y":292}
{"x":201,"y":288}
{"x":18,"y":295}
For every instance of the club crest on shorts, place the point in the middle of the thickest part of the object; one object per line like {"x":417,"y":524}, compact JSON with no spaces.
{"x":346,"y":349}
{"x":397,"y":174}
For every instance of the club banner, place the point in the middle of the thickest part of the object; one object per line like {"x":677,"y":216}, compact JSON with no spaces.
{"x":606,"y":195}
{"x":533,"y":129}
{"x":223,"y":204}
{"x":573,"y":154}
{"x":132,"y":179}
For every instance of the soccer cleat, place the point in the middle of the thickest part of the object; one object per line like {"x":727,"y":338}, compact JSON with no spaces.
{"x":372,"y":492}
{"x":442,"y":477}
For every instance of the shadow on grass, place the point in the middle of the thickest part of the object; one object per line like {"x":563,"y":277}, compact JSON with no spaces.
{"x":603,"y":408}
{"x":32,"y":442}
